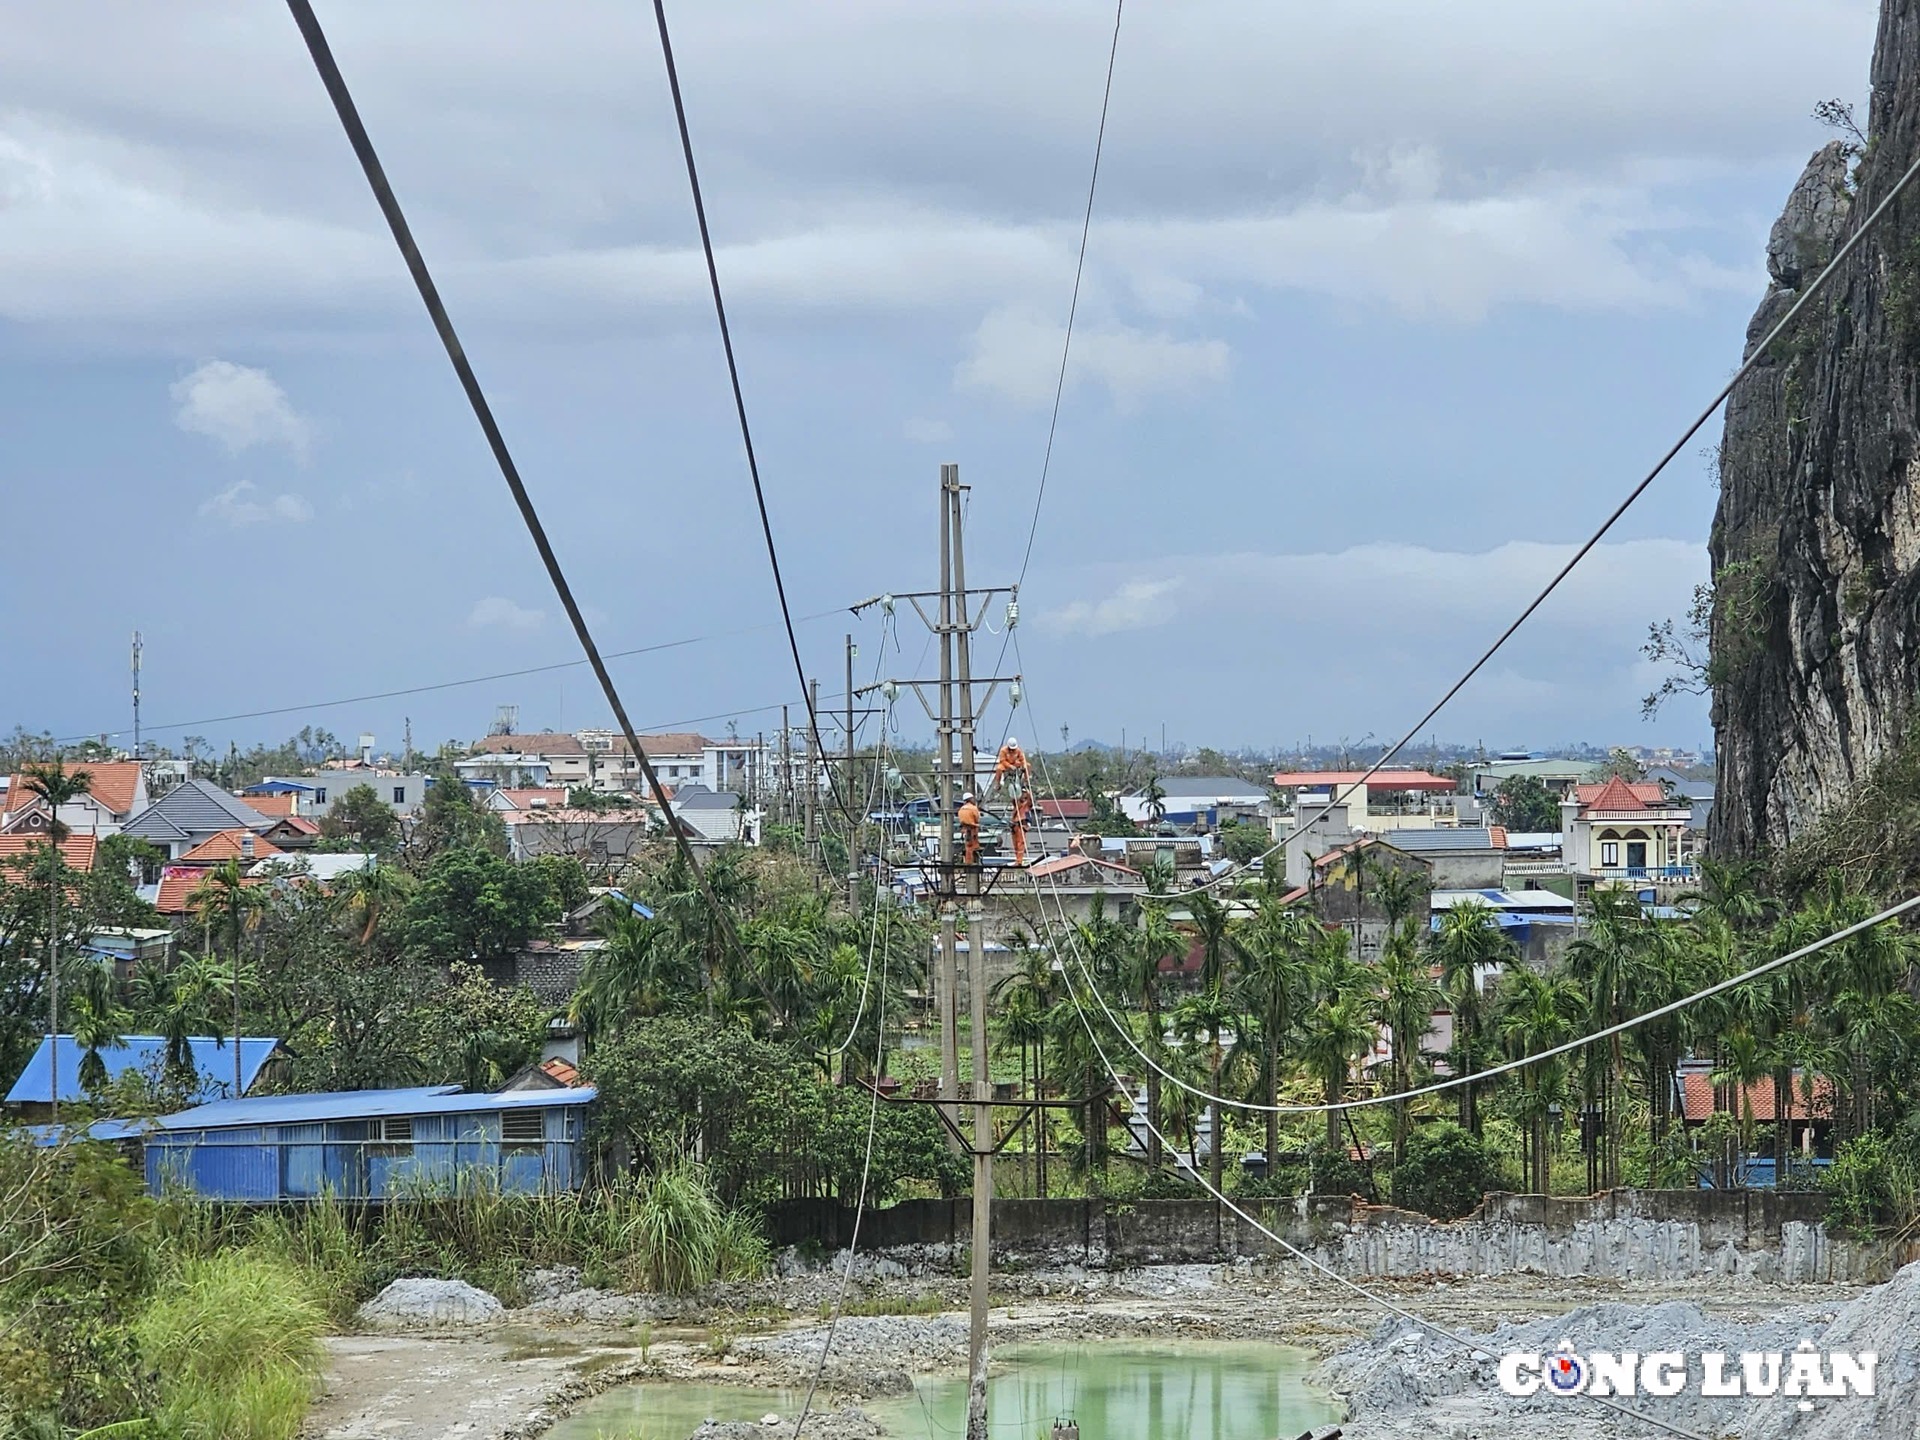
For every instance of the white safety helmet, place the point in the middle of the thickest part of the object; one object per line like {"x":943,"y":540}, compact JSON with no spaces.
{"x":1013,"y":742}
{"x":967,"y":796}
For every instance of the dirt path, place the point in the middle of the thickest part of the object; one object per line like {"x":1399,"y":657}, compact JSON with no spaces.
{"x":414,"y":1387}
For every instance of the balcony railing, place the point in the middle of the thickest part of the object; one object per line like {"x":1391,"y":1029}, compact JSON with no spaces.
{"x":1669,"y":873}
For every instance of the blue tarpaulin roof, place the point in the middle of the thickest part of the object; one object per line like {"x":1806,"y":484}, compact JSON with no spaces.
{"x":366,"y":1104}
{"x":144,"y":1055}
{"x":279,"y":787}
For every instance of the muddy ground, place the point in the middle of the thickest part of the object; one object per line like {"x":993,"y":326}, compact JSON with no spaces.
{"x":512,"y":1381}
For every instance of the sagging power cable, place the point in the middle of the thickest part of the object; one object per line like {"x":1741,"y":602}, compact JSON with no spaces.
{"x":1372,"y":1297}
{"x":1336,"y":796}
{"x":362,"y":143}
{"x":740,"y":399}
{"x":1766,"y":967}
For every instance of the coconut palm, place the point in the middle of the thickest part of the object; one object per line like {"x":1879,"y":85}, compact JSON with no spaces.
{"x":56,"y":786}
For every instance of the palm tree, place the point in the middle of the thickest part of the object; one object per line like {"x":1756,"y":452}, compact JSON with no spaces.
{"x":1743,"y":1063}
{"x":1276,"y":953}
{"x":636,"y":974}
{"x":1605,"y":962}
{"x":1468,"y":942}
{"x":1156,"y":797}
{"x":98,"y":1023}
{"x":230,"y":907}
{"x":369,"y":895}
{"x":1077,"y":1064}
{"x":1204,"y":1018}
{"x":1154,"y":942}
{"x":1536,"y":1013}
{"x":1404,"y":1004}
{"x":177,"y":1004}
{"x":1021,"y":999}
{"x":1337,"y":1028}
{"x":56,"y":786}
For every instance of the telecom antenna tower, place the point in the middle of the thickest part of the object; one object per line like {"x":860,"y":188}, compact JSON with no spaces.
{"x":136,"y":695}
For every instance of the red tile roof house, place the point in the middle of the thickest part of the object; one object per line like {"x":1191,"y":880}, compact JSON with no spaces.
{"x":179,"y":880}
{"x":1625,"y":831}
{"x":116,"y":792}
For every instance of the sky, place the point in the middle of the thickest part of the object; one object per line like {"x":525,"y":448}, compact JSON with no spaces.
{"x":1386,"y":305}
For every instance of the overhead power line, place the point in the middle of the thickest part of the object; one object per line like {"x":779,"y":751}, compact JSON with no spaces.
{"x":733,"y":376}
{"x":1073,"y":305}
{"x":1747,"y":368}
{"x":438,"y":685}
{"x":337,"y":92}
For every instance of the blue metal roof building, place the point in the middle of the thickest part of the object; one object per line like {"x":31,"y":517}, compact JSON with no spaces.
{"x":372,"y":1144}
{"x":145,"y":1055}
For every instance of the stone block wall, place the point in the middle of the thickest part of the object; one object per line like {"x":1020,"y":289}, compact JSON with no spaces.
{"x":1621,"y":1235}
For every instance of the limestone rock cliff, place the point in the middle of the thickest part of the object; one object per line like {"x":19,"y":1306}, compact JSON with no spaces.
{"x":1816,"y":541}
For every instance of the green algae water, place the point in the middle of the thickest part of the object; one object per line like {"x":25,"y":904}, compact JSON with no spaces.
{"x":1177,"y":1390}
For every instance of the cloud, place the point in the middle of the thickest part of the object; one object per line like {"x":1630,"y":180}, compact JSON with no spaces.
{"x":239,"y":407}
{"x":496,"y":612}
{"x":927,"y":432}
{"x":1369,"y":635}
{"x":1016,"y":354}
{"x":1136,"y":605}
{"x":1409,"y":591}
{"x":241,"y":504}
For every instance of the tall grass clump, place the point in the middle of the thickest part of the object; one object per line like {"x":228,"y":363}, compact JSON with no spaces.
{"x":323,"y":1242}
{"x":677,"y":1228}
{"x":235,"y":1340}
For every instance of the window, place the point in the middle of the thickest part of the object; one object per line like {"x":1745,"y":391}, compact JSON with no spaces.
{"x":319,"y":797}
{"x":523,"y":1128}
{"x":1609,"y":854}
{"x":397,"y":1129}
{"x":399,"y":794}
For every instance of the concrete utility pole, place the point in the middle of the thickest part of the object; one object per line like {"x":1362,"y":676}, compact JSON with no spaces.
{"x":954,"y":616}
{"x":786,"y":773}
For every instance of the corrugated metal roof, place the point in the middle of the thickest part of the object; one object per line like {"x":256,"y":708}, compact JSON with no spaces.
{"x":145,"y":1055}
{"x":366,"y":1104}
{"x":1465,"y":838}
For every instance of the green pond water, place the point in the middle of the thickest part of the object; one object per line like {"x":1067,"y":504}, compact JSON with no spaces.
{"x":1197,"y":1390}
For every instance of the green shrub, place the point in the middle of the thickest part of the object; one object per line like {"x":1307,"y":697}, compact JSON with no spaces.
{"x":1335,"y":1172}
{"x":1445,"y":1172}
{"x":1869,"y":1185}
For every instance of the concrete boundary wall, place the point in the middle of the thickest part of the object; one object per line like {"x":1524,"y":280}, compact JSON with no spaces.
{"x":1619,"y":1234}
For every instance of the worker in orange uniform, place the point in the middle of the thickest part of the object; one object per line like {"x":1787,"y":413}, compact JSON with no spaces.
{"x":969,"y":818}
{"x":1014,"y":776}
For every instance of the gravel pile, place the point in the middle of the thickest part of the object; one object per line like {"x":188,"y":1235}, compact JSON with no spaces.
{"x":871,"y":1355}
{"x":850,"y":1423}
{"x":1406,"y":1382}
{"x":418,"y":1304}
